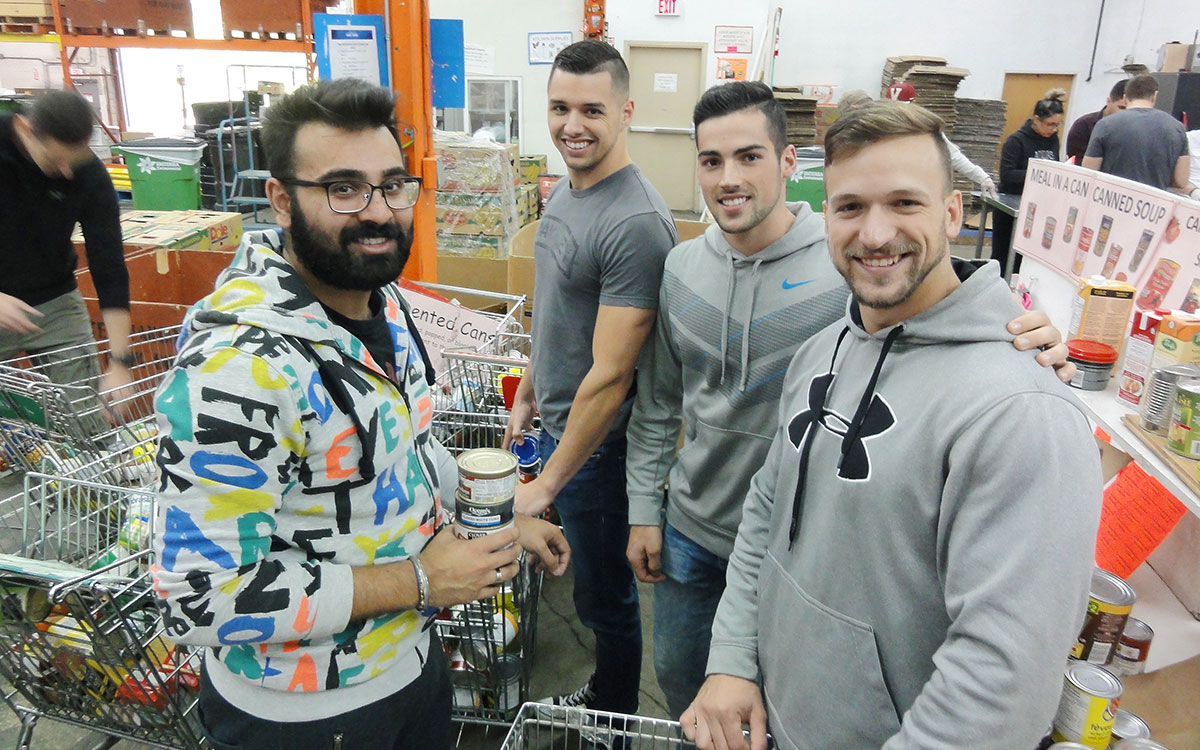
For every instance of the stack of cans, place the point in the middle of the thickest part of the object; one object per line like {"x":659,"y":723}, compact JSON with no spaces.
{"x":487,"y":486}
{"x":1111,"y":645}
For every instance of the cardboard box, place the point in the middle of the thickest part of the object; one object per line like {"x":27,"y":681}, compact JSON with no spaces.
{"x":495,"y":214}
{"x":545,"y":184}
{"x":472,"y":245}
{"x":532,"y":167}
{"x":487,"y":167}
{"x":1177,"y":341}
{"x":488,"y":274}
{"x":26,"y":9}
{"x":520,"y":267}
{"x":686,"y":230}
{"x":1175,"y":56}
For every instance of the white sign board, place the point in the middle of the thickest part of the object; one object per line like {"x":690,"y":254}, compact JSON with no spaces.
{"x":354,"y":53}
{"x":479,"y":60}
{"x":666,"y":83}
{"x":545,"y":45}
{"x":737,"y":40}
{"x":447,"y":325}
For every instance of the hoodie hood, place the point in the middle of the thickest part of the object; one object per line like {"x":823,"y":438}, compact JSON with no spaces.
{"x":261,"y":289}
{"x":807,"y":230}
{"x":977,"y":311}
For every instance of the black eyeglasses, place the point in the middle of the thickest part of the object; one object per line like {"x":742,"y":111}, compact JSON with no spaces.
{"x":352,"y":196}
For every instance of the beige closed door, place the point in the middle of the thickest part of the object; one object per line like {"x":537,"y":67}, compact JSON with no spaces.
{"x":665,"y":81}
{"x":1022,"y":92}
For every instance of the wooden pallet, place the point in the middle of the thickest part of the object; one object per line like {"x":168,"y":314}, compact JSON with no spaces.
{"x":26,"y":25}
{"x":263,"y":34}
{"x":136,"y":31}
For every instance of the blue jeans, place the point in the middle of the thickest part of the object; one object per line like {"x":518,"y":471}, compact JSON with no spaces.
{"x":595,"y":516}
{"x":684,"y":607}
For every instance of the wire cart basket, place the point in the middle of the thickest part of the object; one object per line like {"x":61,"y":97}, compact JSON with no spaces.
{"x":541,"y":727}
{"x":82,"y":640}
{"x":74,"y":429}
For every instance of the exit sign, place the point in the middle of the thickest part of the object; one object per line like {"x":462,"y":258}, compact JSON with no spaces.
{"x":668,"y":8}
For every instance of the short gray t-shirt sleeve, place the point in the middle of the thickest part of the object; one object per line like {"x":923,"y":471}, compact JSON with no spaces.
{"x":1141,"y":144}
{"x":631,"y":260}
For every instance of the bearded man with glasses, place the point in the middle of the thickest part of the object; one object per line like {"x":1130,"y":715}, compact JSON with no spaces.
{"x":301,"y":494}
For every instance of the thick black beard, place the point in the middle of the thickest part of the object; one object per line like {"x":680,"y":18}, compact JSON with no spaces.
{"x":339,"y":266}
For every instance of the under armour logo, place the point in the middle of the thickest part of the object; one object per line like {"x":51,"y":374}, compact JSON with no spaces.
{"x":856,"y":465}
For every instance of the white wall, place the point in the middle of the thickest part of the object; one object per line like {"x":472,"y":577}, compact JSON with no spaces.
{"x":504,"y":27}
{"x":845,"y":43}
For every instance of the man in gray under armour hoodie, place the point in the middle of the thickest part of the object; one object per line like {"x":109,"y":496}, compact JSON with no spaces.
{"x":734,"y":306}
{"x":914,"y":557}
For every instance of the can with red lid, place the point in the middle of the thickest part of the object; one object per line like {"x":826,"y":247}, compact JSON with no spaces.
{"x":1093,"y":363}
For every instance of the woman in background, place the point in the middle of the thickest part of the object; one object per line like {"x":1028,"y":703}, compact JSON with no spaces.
{"x":1036,"y":139}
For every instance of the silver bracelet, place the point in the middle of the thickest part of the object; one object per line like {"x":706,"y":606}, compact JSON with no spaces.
{"x":422,"y":584}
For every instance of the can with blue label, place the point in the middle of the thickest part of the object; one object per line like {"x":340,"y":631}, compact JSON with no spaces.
{"x":529,"y":459}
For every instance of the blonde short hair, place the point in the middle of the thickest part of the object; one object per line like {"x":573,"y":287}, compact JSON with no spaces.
{"x":878,"y":121}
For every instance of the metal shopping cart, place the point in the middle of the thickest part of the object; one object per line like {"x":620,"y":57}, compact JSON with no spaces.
{"x":81,"y":638}
{"x":540,"y":727}
{"x":74,"y":429}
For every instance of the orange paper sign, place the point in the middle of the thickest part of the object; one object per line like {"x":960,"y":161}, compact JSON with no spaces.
{"x":1138,"y":514}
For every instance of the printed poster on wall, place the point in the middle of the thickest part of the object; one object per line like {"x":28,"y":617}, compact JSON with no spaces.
{"x":1084,"y":223}
{"x":731,"y":69}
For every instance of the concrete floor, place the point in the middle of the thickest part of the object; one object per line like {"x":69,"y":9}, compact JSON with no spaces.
{"x":561,"y":664}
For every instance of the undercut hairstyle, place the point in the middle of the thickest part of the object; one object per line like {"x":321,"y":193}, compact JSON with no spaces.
{"x":1118,"y":89}
{"x":1142,"y":87}
{"x":594,"y":56}
{"x":64,"y":116}
{"x":346,"y":103}
{"x":1051,"y":104}
{"x":879,"y":121}
{"x":733,"y":97}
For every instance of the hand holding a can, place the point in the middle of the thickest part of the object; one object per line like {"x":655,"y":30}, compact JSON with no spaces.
{"x":545,"y":541}
{"x":462,"y":571}
{"x":715,"y":718}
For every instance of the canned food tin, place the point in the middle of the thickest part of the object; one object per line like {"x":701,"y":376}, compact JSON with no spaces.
{"x":1048,"y":232}
{"x":508,"y":682}
{"x":1085,"y":238}
{"x":481,"y":515}
{"x":1134,"y":648}
{"x":1069,"y":228}
{"x":1027,"y":230}
{"x":1106,"y":223}
{"x":1140,"y":743}
{"x":1183,"y":432}
{"x":1108,"y":608}
{"x":1128,"y":726}
{"x":487,"y":474}
{"x":463,"y":531}
{"x":1159,"y":284}
{"x":1110,"y":263}
{"x":1088,"y":706}
{"x":1142,"y":246}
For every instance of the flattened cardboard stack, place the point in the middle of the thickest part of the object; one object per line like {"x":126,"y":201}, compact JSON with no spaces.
{"x":894,"y":69}
{"x":935,"y":85}
{"x":980,"y":125}
{"x":801,"y":115}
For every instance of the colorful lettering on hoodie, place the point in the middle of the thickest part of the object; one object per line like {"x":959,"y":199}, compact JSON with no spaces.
{"x":287,"y":457}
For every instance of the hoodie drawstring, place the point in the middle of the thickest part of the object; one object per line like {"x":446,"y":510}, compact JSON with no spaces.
{"x":746,"y":325}
{"x":817,"y":405}
{"x":729,"y":282}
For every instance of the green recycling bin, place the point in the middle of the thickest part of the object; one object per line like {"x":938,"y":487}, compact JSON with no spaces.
{"x":165,"y":172}
{"x":808,"y":183}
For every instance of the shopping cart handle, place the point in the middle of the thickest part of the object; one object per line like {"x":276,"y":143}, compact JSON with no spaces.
{"x":58,"y":592}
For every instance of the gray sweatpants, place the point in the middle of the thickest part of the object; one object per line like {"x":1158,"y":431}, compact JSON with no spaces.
{"x":64,"y":323}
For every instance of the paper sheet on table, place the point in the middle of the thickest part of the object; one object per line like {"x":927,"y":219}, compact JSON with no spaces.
{"x":1137,"y":515}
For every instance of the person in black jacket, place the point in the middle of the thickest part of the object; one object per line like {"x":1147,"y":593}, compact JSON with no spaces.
{"x":1036,"y":139}
{"x":49,"y":181}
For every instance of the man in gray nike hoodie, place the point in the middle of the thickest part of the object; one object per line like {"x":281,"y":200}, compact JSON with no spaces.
{"x":735,"y":305}
{"x":914,"y":557}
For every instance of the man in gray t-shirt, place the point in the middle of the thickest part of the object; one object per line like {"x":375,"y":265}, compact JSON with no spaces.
{"x":599,"y":255}
{"x":1141,"y":143}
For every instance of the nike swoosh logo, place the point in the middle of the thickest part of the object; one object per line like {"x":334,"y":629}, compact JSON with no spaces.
{"x":786,"y":285}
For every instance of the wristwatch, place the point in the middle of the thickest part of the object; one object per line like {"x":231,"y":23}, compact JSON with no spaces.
{"x":126,"y":360}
